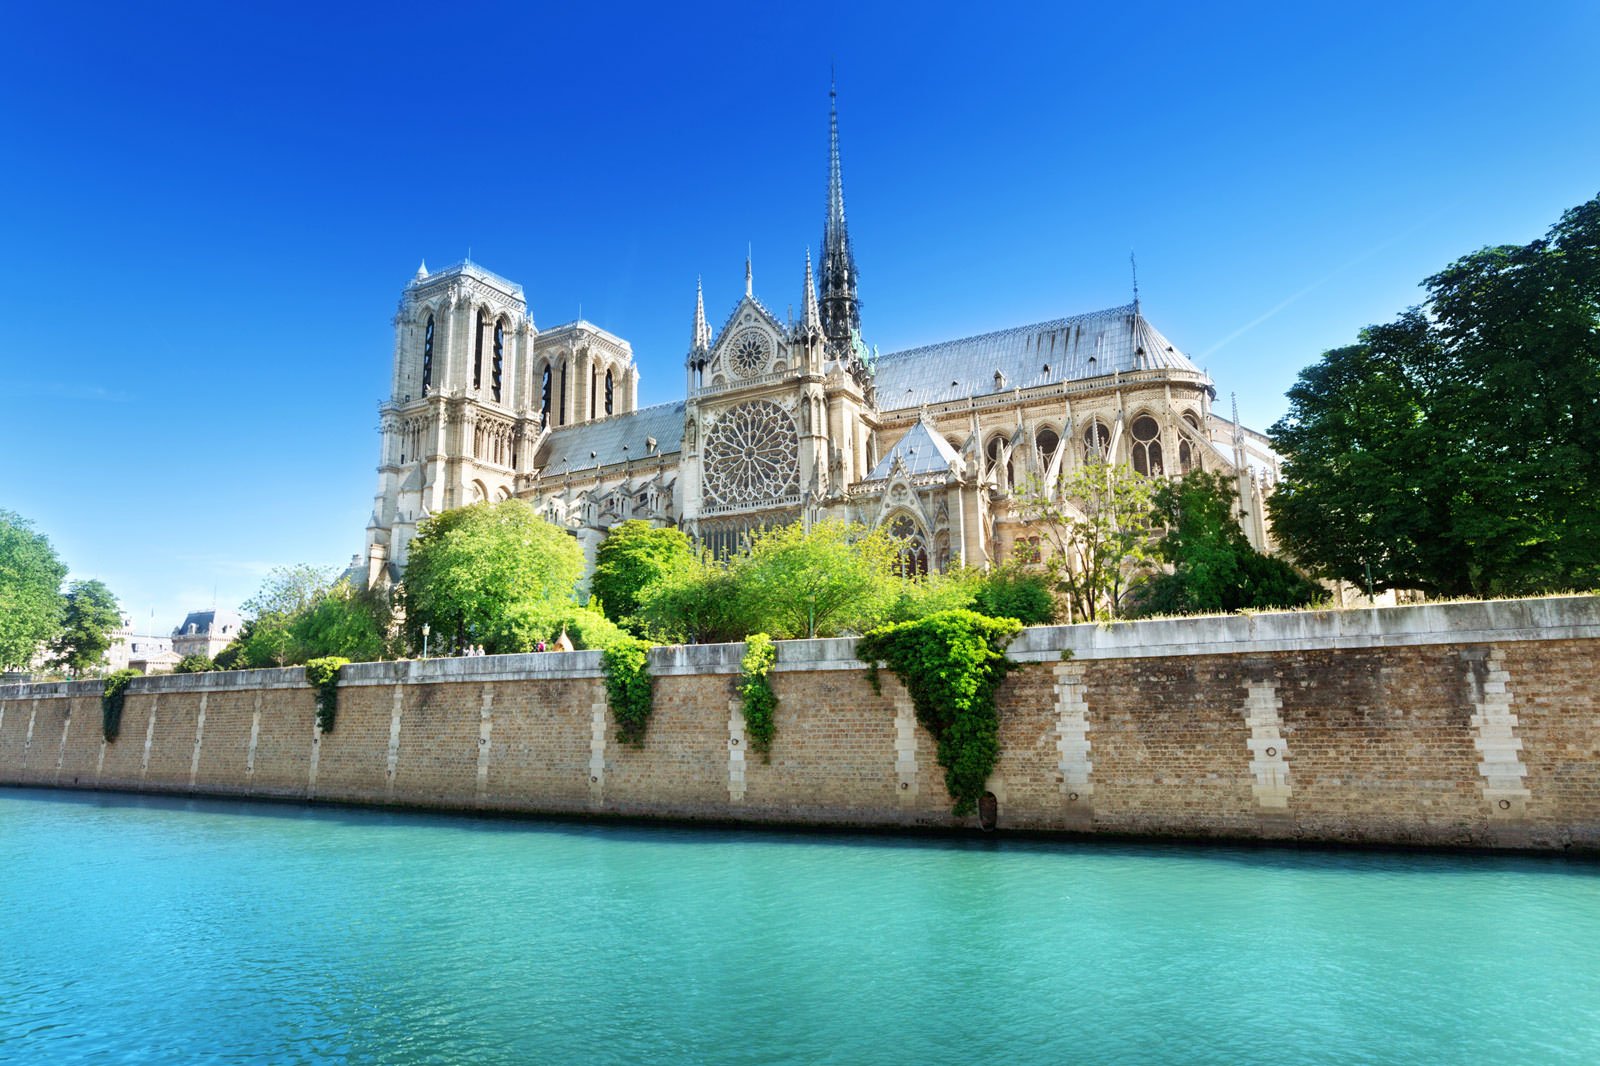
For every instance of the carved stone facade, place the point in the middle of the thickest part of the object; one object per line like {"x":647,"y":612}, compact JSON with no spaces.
{"x":782,"y":420}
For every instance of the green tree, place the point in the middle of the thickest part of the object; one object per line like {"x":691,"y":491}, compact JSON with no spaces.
{"x":30,"y":591}
{"x":1214,"y":567}
{"x":1016,"y":590}
{"x":634,"y":556}
{"x":1097,"y":521}
{"x":1457,"y":450}
{"x":699,"y":604}
{"x":488,"y":574}
{"x":195,"y":664}
{"x":343,"y":623}
{"x":91,"y":616}
{"x":835,"y":576}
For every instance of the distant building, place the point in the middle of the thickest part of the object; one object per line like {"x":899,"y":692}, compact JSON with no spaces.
{"x":206,"y":633}
{"x":144,"y":652}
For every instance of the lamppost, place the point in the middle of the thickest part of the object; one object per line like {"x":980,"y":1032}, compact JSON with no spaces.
{"x":425,"y":629}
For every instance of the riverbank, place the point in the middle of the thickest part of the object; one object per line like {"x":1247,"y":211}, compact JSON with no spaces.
{"x":1452,"y":725}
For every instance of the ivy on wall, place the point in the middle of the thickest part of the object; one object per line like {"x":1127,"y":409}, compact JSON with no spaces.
{"x":755,"y":689}
{"x":323,"y":675}
{"x":626,"y":662}
{"x":111,"y":698}
{"x":952,"y":663}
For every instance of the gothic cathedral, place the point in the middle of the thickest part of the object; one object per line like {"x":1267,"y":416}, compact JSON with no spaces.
{"x":781,"y":421}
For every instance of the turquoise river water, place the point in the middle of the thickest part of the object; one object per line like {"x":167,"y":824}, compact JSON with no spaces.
{"x":158,"y":930}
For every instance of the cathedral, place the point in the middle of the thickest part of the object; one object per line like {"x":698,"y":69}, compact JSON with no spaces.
{"x":782,"y":421}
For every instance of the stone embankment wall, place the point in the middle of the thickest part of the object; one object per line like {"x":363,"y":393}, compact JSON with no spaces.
{"x":1459,"y":724}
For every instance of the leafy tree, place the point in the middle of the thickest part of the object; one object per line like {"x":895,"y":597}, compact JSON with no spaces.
{"x":634,"y":556}
{"x":1016,"y":590}
{"x":1457,"y":450}
{"x":342,"y":623}
{"x":263,"y":642}
{"x":1214,"y":566}
{"x":91,"y":616}
{"x":290,"y":590}
{"x":30,"y":591}
{"x":796,"y":582}
{"x":1097,"y":522}
{"x":487,"y":574}
{"x":196,"y":664}
{"x":699,"y":604}
{"x":954,"y":590}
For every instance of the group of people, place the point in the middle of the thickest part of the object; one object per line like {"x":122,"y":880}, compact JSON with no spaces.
{"x":561,"y":643}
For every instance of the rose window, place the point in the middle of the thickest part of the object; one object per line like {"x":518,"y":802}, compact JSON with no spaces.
{"x":750,"y":350}
{"x":752,"y":455}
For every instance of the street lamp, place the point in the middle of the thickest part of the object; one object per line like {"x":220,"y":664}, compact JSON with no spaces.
{"x":425,"y":629}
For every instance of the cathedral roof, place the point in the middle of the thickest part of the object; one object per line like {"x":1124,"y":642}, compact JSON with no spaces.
{"x":569,"y":447}
{"x":921,"y":450}
{"x":1118,"y":339}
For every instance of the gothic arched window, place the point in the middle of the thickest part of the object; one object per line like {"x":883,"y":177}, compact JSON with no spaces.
{"x":1147,"y":446}
{"x":477,"y":353}
{"x":995,"y":451}
{"x":1097,"y":443}
{"x":499,"y":359}
{"x":594,"y":389}
{"x":427,"y":357}
{"x":544,"y":395}
{"x":563,"y":419}
{"x":1046,"y":441}
{"x":1188,"y":455}
{"x":913,"y":557}
{"x":608,"y":392}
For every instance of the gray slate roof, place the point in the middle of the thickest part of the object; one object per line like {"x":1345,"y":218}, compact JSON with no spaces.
{"x":607,"y":437}
{"x":1066,"y":349}
{"x":922,"y":451}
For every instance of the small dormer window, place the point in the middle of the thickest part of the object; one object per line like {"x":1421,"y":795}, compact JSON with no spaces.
{"x":999,"y":380}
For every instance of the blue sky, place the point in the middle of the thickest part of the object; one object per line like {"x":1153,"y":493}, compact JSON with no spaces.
{"x":209,"y":213}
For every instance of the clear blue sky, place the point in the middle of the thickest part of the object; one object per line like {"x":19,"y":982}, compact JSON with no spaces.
{"x":208,"y":215}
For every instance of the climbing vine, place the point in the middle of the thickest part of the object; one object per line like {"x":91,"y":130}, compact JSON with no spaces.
{"x":112,"y":694}
{"x":628,"y":687}
{"x":755,"y":688}
{"x":951,"y":662}
{"x":323,"y":675}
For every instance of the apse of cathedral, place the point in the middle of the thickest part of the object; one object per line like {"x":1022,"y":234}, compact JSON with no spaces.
{"x":782,"y":421}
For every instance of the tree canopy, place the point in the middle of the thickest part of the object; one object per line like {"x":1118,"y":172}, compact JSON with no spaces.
{"x":489,"y":574}
{"x":1214,"y":566}
{"x":1097,"y":523}
{"x":634,"y":556}
{"x":30,"y":591}
{"x":1457,"y":449}
{"x":817,"y":582}
{"x":91,"y":616}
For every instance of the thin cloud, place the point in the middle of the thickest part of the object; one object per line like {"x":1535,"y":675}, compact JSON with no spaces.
{"x":61,"y":390}
{"x":1357,"y":261}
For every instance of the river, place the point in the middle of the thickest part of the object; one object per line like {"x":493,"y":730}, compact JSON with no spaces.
{"x":148,"y":929}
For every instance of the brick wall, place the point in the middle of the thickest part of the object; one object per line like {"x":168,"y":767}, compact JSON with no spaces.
{"x":1466,"y":724}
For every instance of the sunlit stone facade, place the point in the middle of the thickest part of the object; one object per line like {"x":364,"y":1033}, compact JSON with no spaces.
{"x":782,"y":420}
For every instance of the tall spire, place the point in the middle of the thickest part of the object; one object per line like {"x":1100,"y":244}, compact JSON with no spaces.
{"x":841,"y":306}
{"x":702,"y":331}
{"x":749,"y":278}
{"x":810,"y":315}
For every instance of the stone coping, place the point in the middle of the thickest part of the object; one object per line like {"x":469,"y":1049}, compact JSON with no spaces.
{"x":1549,"y":618}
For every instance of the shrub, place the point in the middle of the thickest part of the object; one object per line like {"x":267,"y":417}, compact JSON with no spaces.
{"x":951,"y":663}
{"x":755,"y":689}
{"x":1013,"y":591}
{"x":195,"y":664}
{"x":323,"y":675}
{"x":111,"y":697}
